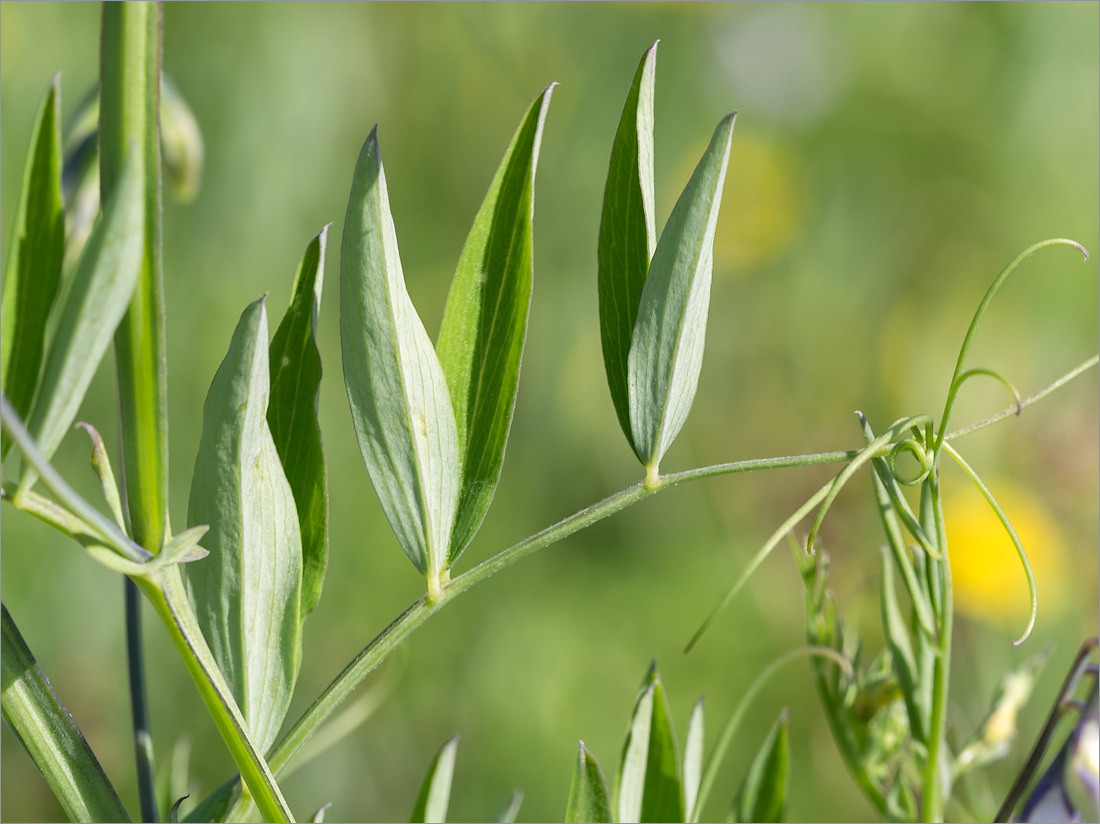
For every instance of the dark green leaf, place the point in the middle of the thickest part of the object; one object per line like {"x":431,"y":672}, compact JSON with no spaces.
{"x":588,"y":801}
{"x":485,"y":322}
{"x":763,"y":794}
{"x":33,"y":269}
{"x":100,"y":293}
{"x":398,"y":394}
{"x":628,"y":233}
{"x":292,"y":415}
{"x":50,"y":736}
{"x":666,"y":350}
{"x":435,"y":792}
{"x":649,"y":779}
{"x":247,"y":593}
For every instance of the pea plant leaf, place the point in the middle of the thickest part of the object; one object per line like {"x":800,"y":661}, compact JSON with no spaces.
{"x":247,"y":593}
{"x":35,"y":251}
{"x":435,"y":792}
{"x":693,"y":760}
{"x":588,"y":799}
{"x":649,"y":782}
{"x":763,"y":794}
{"x":295,"y":369}
{"x":666,"y":350}
{"x":628,"y":233}
{"x":485,"y":323}
{"x":98,"y":297}
{"x":33,"y":711}
{"x":400,"y":406}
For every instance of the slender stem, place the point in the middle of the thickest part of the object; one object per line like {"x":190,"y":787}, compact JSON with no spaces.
{"x":376,"y":651}
{"x":933,"y":800}
{"x":139,"y":708}
{"x":1026,"y":402}
{"x":76,"y":504}
{"x":165,"y":591}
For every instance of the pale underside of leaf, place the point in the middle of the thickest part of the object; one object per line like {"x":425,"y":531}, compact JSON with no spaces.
{"x":628,"y":232}
{"x":98,"y":298}
{"x":693,"y":760}
{"x":649,"y":782}
{"x":247,"y":592}
{"x":485,"y":323}
{"x":435,"y":792}
{"x":666,"y":352}
{"x":398,"y":394}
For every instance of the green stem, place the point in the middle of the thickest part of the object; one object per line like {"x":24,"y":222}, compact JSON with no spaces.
{"x":129,"y":116}
{"x":728,"y":731}
{"x":165,"y":591}
{"x":377,"y":650}
{"x":935,"y":792}
{"x":139,"y":708}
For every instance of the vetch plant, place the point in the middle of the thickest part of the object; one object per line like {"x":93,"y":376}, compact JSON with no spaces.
{"x":234,"y":588}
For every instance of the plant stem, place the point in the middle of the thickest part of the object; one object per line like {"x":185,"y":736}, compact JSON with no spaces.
{"x":932,"y":802}
{"x":376,"y":651}
{"x":165,"y":591}
{"x":129,"y":117}
{"x":139,"y":708}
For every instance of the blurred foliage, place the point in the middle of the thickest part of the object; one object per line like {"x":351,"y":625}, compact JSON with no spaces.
{"x":888,"y":161}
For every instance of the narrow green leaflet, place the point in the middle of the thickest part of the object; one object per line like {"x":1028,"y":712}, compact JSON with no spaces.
{"x":628,"y":233}
{"x":588,"y":801}
{"x":649,"y":781}
{"x":763,"y":794}
{"x":292,"y":415}
{"x":509,"y":810}
{"x":666,"y":350}
{"x":400,"y":406}
{"x":33,"y":269}
{"x":100,"y":293}
{"x":247,"y":592}
{"x":693,"y":760}
{"x":50,"y":736}
{"x":435,"y":792}
{"x":901,"y":653}
{"x":485,"y":323}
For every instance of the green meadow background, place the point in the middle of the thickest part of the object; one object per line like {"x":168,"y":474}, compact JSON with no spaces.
{"x":888,"y":160}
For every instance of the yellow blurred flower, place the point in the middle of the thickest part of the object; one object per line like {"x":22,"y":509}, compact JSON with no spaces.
{"x":988,"y":578}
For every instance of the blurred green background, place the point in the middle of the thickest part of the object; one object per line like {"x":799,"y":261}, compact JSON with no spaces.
{"x":888,"y":160}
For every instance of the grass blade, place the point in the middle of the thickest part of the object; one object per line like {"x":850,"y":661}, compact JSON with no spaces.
{"x":295,"y":366}
{"x":247,"y":593}
{"x":104,"y":280}
{"x":35,"y":251}
{"x":400,"y":405}
{"x":666,"y":350}
{"x":649,"y":783}
{"x":628,"y":233}
{"x":763,"y":794}
{"x":50,"y":736}
{"x":435,"y":792}
{"x":693,"y":759}
{"x":485,"y":323}
{"x":588,"y":802}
